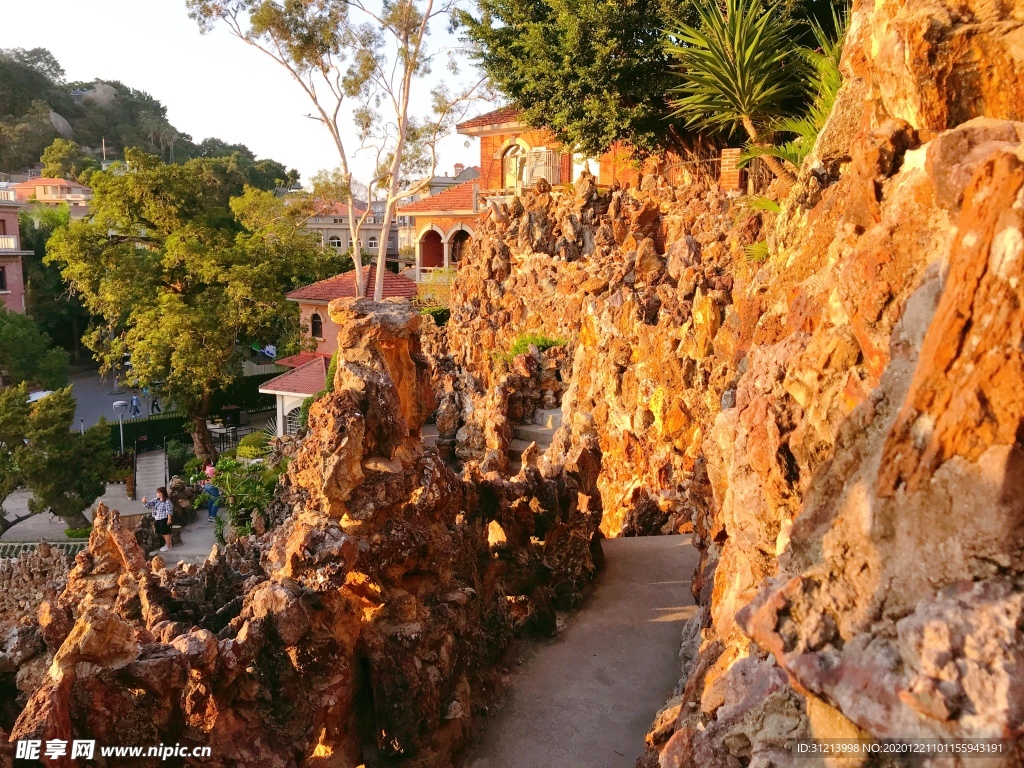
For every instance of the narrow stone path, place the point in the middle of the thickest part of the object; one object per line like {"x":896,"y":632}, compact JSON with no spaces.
{"x":587,"y":698}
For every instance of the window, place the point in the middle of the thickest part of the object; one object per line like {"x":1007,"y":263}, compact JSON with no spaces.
{"x":316,"y":325}
{"x":3,"y":278}
{"x":512,"y":166}
{"x":3,"y":227}
{"x":335,"y":242}
{"x":372,"y":243}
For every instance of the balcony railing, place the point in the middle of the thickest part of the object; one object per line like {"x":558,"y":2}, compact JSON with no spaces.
{"x":8,"y":243}
{"x":7,"y":195}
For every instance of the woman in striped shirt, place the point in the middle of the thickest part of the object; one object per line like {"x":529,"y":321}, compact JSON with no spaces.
{"x":163,"y":515}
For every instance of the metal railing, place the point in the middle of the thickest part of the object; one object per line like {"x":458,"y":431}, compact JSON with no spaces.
{"x":11,"y":550}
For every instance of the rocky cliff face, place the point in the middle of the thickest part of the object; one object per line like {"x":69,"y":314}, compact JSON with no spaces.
{"x":840,"y":425}
{"x":363,"y":630}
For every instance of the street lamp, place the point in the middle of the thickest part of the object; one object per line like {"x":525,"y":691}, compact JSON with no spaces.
{"x":120,"y":407}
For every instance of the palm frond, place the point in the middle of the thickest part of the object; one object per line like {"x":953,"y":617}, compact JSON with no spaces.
{"x":738,"y":65}
{"x":757,"y":252}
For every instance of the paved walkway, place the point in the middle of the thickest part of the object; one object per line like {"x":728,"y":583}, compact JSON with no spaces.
{"x":197,"y":539}
{"x":587,"y":698}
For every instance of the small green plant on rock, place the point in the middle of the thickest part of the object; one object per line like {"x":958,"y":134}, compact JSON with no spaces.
{"x":523,"y":343}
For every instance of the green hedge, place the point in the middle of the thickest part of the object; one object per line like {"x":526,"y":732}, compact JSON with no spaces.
{"x":154,"y":428}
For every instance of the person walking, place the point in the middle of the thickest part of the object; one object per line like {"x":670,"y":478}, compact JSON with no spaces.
{"x":134,"y":409}
{"x":163,"y":515}
{"x":213,"y":504}
{"x":208,"y":469}
{"x":154,"y":406}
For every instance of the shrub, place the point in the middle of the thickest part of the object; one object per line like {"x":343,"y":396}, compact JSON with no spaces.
{"x":440,"y":314}
{"x":179,"y":451}
{"x":251,"y":452}
{"x":78,"y":533}
{"x":523,"y":343}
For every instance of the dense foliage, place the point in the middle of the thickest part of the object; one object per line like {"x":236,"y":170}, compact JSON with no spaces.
{"x":594,"y":72}
{"x":26,"y":356}
{"x":38,"y":445}
{"x":597,"y":72}
{"x":182,"y":265}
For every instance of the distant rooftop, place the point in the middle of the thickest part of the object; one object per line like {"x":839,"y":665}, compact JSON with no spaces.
{"x":344,"y":286}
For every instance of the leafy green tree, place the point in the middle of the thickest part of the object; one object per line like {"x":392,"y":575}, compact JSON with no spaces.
{"x":25,"y":354}
{"x":24,"y":137}
{"x":740,"y":67}
{"x":64,"y":159}
{"x":38,"y":60}
{"x":591,"y":71}
{"x":181,"y":276}
{"x":63,"y":470}
{"x":57,"y":312}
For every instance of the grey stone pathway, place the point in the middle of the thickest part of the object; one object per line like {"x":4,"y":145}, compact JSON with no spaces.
{"x":586,"y":698}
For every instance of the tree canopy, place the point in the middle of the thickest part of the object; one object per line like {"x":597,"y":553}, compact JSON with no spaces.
{"x":25,"y":354}
{"x":592,"y":71}
{"x":182,"y":265}
{"x":37,"y":447}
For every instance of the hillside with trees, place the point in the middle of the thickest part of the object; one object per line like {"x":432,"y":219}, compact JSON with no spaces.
{"x":39,"y":106}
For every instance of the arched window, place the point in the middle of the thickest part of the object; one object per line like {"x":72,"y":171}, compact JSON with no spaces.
{"x":372,"y":243}
{"x":335,"y":242}
{"x":316,"y":326}
{"x":512,"y":164}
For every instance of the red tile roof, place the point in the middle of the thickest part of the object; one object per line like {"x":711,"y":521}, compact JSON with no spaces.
{"x":495,"y":117}
{"x":344,"y":286}
{"x":307,"y":379}
{"x":47,"y":181}
{"x":457,"y":198}
{"x":294,"y":361}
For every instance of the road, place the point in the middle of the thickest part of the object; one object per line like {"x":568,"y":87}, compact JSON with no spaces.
{"x":587,"y":698}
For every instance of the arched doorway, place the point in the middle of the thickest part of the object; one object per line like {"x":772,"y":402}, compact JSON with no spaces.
{"x":460,"y":244}
{"x":431,"y":249}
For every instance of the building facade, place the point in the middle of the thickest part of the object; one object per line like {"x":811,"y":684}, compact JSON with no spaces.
{"x":47,"y":190}
{"x":12,"y":278}
{"x":332,"y":224}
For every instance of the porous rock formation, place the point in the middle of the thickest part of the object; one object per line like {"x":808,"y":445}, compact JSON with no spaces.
{"x":842,"y":425}
{"x":363,"y":630}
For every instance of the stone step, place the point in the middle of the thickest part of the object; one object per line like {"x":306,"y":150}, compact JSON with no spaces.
{"x":543,"y":435}
{"x":516,"y":448}
{"x":430,"y":434}
{"x":551,"y":417}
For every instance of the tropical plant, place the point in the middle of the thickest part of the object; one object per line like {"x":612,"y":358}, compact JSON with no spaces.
{"x":823,"y":80}
{"x":740,"y":67}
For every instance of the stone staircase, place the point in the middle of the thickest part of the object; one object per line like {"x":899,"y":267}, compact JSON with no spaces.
{"x":540,"y":432}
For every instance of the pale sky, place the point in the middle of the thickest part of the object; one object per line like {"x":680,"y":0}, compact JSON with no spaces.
{"x":212,"y":85}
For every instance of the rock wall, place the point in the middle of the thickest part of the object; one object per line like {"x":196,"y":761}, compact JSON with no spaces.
{"x":365,"y":629}
{"x":637,"y":282}
{"x":841,"y":425}
{"x":863,"y":573}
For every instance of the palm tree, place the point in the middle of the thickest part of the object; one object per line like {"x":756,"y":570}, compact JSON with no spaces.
{"x":741,"y":67}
